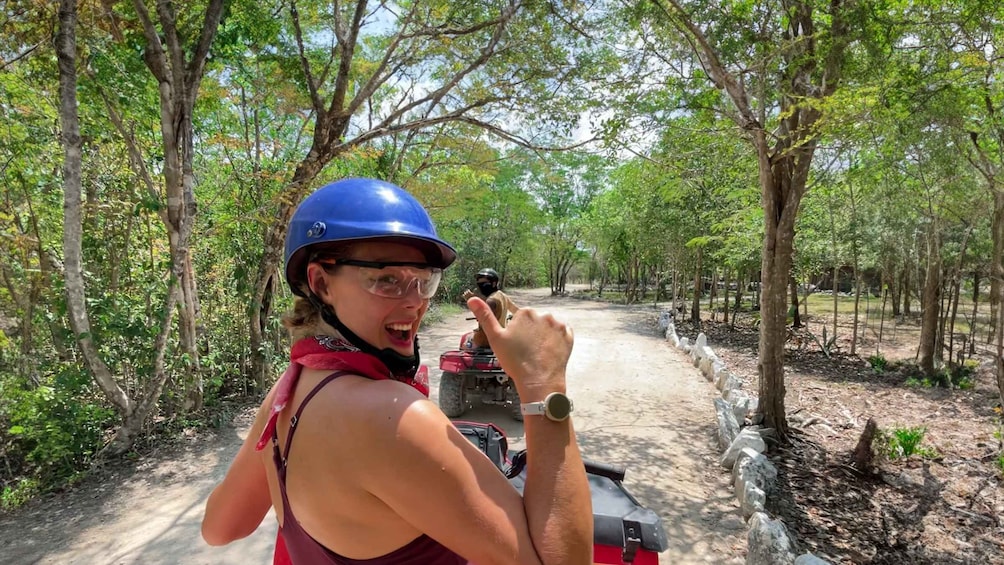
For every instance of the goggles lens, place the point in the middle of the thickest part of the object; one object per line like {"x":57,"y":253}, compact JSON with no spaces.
{"x":393,"y":279}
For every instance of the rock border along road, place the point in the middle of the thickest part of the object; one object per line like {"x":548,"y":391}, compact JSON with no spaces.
{"x":638,"y":403}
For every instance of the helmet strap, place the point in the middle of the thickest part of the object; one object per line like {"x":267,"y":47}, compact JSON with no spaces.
{"x":401,"y":366}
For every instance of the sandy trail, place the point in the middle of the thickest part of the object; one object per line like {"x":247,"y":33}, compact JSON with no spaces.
{"x":638,"y":403}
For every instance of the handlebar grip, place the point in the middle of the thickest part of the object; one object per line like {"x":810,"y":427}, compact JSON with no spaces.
{"x":613,"y":472}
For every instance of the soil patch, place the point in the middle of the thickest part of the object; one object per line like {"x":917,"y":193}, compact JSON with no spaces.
{"x":943,"y":507}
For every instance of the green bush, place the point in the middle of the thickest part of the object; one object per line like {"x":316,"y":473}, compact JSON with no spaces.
{"x":439,"y":311}
{"x":49,"y":432}
{"x":878,"y":363}
{"x":950,"y":376}
{"x":904,"y":442}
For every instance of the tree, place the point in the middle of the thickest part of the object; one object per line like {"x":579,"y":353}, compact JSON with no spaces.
{"x":178,"y":79}
{"x":388,"y":71}
{"x":783,"y":88}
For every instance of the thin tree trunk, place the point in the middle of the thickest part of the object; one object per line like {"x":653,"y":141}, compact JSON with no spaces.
{"x":76,"y":301}
{"x":274,"y":239}
{"x":133,"y":413}
{"x":885,"y":299}
{"x":725,"y":302}
{"x":955,"y":290}
{"x":740,"y":289}
{"x":713,"y":299}
{"x":805,"y":300}
{"x":997,"y":264}
{"x":676,"y":289}
{"x":855,"y":256}
{"x":857,"y":307}
{"x":781,"y":201}
{"x":893,"y":289}
{"x":695,"y":305}
{"x":834,"y":285}
{"x":906,"y":291}
{"x":931,"y":302}
{"x":796,"y":320}
{"x":976,"y":302}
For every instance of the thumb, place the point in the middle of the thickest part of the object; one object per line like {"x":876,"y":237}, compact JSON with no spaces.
{"x":485,"y":316}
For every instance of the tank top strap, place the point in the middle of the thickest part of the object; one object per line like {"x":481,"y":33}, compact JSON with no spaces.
{"x":280,"y":457}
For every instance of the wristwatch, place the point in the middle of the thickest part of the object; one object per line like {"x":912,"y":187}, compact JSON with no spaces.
{"x":555,"y":407}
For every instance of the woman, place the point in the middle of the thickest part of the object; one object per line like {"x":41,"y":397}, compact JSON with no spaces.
{"x":362,"y":467}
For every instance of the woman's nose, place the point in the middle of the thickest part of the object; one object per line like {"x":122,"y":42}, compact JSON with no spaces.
{"x":412,"y":295}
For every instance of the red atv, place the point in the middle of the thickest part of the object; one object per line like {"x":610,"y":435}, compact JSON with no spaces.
{"x":472,"y":374}
{"x":624,"y":531}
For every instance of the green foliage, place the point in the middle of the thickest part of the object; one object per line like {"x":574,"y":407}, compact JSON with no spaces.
{"x":904,"y":442}
{"x":949,"y":376}
{"x":439,"y":311}
{"x":828,"y":345}
{"x":49,"y":432}
{"x":878,"y":363}
{"x":21,"y":491}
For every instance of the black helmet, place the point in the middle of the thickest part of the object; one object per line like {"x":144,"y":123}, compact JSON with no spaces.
{"x":490,"y":274}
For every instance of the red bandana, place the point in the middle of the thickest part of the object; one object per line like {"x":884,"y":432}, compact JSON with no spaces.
{"x":330,"y":353}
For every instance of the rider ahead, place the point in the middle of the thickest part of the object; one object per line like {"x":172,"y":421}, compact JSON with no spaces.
{"x":501,"y":305}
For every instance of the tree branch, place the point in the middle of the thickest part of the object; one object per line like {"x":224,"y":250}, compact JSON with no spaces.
{"x":315,"y":98}
{"x":153,"y":55}
{"x":712,"y":64}
{"x":214,"y":14}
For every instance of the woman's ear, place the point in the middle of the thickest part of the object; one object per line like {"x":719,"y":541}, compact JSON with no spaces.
{"x":316,"y":280}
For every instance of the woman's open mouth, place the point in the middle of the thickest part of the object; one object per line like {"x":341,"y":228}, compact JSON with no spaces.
{"x":400,"y":334}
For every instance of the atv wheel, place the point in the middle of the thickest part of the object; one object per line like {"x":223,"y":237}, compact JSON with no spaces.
{"x":514,"y":407}
{"x":452,"y":396}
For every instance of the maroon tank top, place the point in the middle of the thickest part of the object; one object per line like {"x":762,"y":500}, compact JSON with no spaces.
{"x":305,"y":550}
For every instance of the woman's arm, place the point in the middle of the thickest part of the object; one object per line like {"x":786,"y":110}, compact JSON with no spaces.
{"x":415,"y":461}
{"x":239,"y":503}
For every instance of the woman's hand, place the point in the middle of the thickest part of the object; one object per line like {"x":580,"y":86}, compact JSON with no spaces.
{"x":533,"y":348}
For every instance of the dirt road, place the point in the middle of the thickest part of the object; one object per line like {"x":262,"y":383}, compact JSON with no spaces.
{"x":637,"y":402}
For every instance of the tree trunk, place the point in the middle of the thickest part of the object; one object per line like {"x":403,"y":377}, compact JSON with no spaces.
{"x":676,"y":289}
{"x":179,"y":81}
{"x":857,"y":310}
{"x":893,"y":289}
{"x":855,"y":256}
{"x":274,"y":240}
{"x":780,"y":200}
{"x":695,"y":306}
{"x":725,"y":301}
{"x":833,"y":284}
{"x":740,"y":288}
{"x":997,"y":264}
{"x":796,"y":320}
{"x":805,"y":299}
{"x":885,"y":299}
{"x":76,"y":301}
{"x":713,"y":299}
{"x":133,"y":413}
{"x":863,"y":454}
{"x":976,"y":310}
{"x":906,"y":290}
{"x":931,"y":303}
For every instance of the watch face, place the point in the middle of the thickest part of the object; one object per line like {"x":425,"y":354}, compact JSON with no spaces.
{"x":558,"y":406}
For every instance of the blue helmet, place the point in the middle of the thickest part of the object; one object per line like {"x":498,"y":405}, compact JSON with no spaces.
{"x":357,"y":209}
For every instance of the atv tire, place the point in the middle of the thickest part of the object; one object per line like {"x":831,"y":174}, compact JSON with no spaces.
{"x":517,"y":414}
{"x":452,"y":396}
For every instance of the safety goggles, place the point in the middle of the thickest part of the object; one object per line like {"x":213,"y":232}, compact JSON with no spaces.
{"x":392,"y":279}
